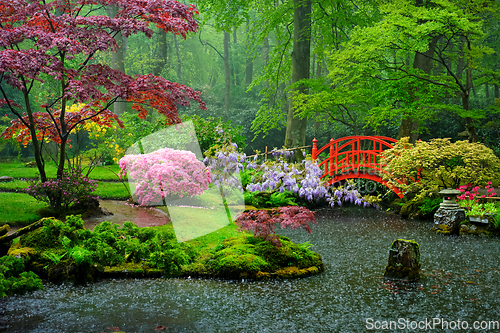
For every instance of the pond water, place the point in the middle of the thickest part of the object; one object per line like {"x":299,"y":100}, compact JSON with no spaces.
{"x":460,"y":286}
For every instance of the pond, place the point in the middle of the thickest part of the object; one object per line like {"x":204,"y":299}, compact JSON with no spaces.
{"x":460,"y":286}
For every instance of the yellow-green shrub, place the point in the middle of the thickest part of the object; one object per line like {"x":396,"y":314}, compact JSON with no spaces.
{"x":438,"y":164}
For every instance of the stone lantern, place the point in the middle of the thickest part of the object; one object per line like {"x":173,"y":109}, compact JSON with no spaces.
{"x":449,"y":215}
{"x":449,"y":198}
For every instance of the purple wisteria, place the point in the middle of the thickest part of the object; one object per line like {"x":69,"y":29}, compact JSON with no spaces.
{"x":303,"y":179}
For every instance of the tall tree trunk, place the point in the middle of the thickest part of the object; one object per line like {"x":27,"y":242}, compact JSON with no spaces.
{"x":161,"y":60}
{"x":234,"y":59}
{"x":40,"y":164}
{"x":179,"y":62}
{"x":227,"y":75}
{"x":410,"y":125}
{"x":248,"y":64}
{"x":296,"y":127}
{"x":118,"y":60}
{"x":469,"y":122}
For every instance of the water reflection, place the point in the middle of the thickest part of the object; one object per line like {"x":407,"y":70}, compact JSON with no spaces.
{"x":461,"y":281}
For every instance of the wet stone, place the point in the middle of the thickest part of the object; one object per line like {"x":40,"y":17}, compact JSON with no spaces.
{"x":6,"y":179}
{"x":404,"y":260}
{"x":447,"y":221}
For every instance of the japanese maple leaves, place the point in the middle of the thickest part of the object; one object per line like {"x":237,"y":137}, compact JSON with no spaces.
{"x":263,"y":222}
{"x":58,"y":40}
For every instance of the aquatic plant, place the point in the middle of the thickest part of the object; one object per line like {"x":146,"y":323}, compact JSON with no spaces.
{"x":163,"y":173}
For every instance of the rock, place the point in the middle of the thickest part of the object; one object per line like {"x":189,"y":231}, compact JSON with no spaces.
{"x":447,"y":221}
{"x":404,"y":260}
{"x":475,"y":230}
{"x":6,"y":179}
{"x":4,"y":229}
{"x":31,"y":164}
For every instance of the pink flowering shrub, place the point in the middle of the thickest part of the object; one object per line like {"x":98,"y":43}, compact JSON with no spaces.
{"x":163,"y":173}
{"x":72,"y":189}
{"x":263,"y":222}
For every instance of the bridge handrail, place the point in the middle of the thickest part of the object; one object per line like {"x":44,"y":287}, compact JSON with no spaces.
{"x":332,"y":164}
{"x":376,"y":138}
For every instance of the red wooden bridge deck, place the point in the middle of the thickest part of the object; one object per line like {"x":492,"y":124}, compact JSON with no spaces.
{"x":354,"y":157}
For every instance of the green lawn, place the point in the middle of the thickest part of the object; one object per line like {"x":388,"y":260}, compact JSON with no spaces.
{"x":19,"y":209}
{"x":18,"y":170}
{"x":15,"y":185}
{"x":112,"y":190}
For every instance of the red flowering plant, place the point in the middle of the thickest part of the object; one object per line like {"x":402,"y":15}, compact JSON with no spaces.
{"x":472,"y":201}
{"x":263,"y":222}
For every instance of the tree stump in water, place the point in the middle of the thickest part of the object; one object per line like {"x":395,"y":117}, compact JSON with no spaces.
{"x":404,"y":260}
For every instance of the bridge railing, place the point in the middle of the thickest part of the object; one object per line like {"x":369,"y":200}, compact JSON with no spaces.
{"x":352,"y":154}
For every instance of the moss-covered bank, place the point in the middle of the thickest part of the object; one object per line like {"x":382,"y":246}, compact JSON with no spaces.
{"x":66,"y":251}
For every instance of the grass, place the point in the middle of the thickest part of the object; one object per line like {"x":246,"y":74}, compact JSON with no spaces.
{"x":112,"y":190}
{"x":15,"y":185}
{"x":17,"y":169}
{"x":19,"y":209}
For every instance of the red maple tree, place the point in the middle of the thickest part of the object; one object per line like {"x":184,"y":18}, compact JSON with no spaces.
{"x":57,"y":40}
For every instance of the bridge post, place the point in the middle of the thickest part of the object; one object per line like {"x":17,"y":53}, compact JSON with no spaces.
{"x":315,"y":149}
{"x":332,"y":162}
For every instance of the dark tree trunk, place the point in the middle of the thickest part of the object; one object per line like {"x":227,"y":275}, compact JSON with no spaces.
{"x":161,"y":61}
{"x":248,"y":65}
{"x":227,"y":75}
{"x":179,"y":62}
{"x":410,"y":125}
{"x":40,"y":164}
{"x":118,"y":60}
{"x":234,"y":58}
{"x":296,"y":127}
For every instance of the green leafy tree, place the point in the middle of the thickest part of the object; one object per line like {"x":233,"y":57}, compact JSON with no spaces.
{"x":419,"y":60}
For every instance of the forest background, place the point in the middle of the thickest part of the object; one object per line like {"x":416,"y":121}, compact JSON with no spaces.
{"x":288,"y":71}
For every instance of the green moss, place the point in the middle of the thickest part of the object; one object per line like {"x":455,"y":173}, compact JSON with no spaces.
{"x":66,"y":251}
{"x":248,"y":256}
{"x":21,"y":252}
{"x":443,"y":229}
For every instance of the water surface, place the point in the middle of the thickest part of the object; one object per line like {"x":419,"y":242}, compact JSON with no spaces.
{"x":461,"y":282}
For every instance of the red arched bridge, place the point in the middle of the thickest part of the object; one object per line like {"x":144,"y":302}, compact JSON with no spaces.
{"x":354,"y":157}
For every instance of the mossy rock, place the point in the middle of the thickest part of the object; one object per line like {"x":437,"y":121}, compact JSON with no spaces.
{"x":45,"y":237}
{"x":21,"y":252}
{"x":4,"y":229}
{"x":295,"y":272}
{"x":443,"y":229}
{"x":470,"y":229}
{"x":404,"y":260}
{"x":130,"y":270}
{"x":251,"y":257}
